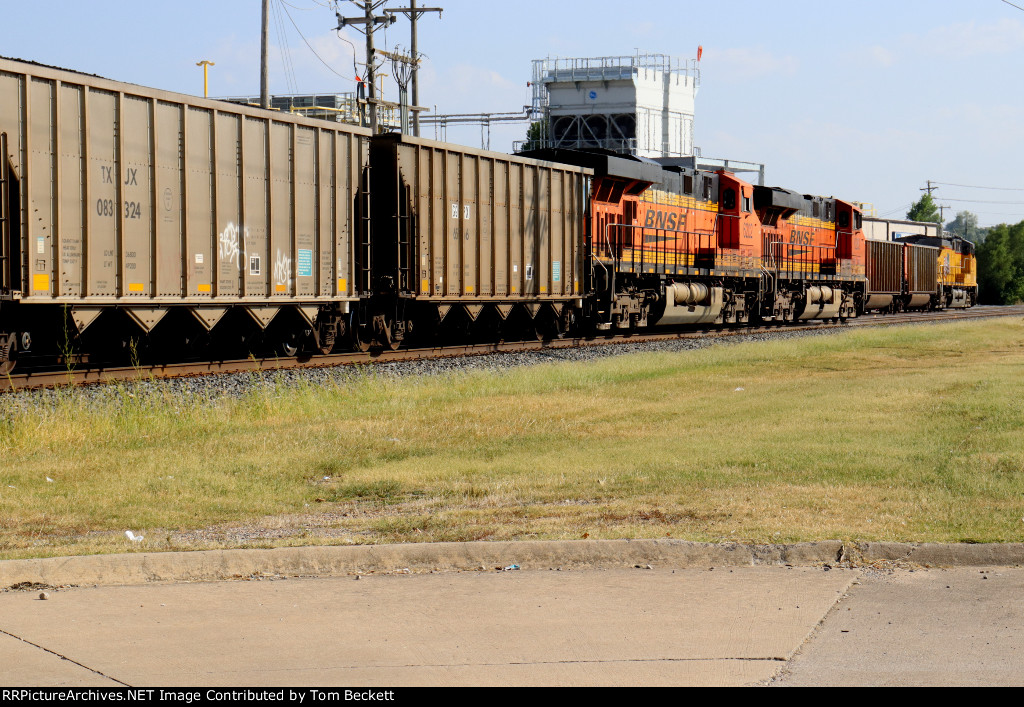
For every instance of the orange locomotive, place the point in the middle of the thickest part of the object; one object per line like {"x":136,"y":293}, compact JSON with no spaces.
{"x":672,"y":245}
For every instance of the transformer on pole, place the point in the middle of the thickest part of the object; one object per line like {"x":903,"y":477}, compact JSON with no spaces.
{"x":368,"y":24}
{"x":414,"y":14}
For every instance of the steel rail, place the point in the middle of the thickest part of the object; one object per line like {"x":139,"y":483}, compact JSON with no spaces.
{"x":93,"y":375}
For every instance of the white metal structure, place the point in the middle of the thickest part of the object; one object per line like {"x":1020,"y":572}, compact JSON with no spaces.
{"x":641,"y":105}
{"x":884,"y":229}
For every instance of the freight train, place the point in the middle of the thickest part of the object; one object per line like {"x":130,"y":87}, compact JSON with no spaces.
{"x":133,"y":218}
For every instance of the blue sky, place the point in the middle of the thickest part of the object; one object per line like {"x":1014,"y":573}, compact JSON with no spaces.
{"x":862,"y":100}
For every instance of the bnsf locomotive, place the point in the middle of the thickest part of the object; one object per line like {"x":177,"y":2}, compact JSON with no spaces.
{"x":134,"y":218}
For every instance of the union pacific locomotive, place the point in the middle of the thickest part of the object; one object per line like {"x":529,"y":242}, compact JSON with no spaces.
{"x":132,"y":217}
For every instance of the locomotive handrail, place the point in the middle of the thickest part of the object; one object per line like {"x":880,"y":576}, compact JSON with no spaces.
{"x":687,"y":234}
{"x":802,"y":260}
{"x":801,"y":245}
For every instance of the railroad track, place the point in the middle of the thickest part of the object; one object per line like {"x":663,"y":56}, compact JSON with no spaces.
{"x":92,"y":375}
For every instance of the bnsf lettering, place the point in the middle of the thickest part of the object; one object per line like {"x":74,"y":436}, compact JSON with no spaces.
{"x":665,"y":221}
{"x":801,"y":237}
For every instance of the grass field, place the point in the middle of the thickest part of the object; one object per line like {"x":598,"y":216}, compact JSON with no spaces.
{"x":909,"y":433}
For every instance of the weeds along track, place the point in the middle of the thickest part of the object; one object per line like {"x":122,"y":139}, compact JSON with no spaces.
{"x":86,"y":374}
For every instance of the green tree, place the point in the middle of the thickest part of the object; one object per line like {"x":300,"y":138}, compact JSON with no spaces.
{"x":965,"y":225}
{"x":1001,"y":265}
{"x":534,"y":135}
{"x":925,"y":210}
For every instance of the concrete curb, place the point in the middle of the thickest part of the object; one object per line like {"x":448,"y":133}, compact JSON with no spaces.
{"x":143,"y":568}
{"x":939,"y":555}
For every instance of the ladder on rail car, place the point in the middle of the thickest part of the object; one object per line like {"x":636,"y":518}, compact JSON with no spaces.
{"x":364,"y":249}
{"x":5,"y":218}
{"x":405,"y":228}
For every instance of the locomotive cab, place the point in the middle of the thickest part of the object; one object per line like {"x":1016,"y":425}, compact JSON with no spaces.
{"x":849,"y":238}
{"x":740,"y":228}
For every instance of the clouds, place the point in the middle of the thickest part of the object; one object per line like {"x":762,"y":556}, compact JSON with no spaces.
{"x":472,"y":88}
{"x":971,"y":39}
{"x":875,"y":57}
{"x":742,"y":64}
{"x":959,"y":41}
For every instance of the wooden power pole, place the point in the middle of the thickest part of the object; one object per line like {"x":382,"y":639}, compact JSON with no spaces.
{"x":264,"y":52}
{"x":414,"y":14}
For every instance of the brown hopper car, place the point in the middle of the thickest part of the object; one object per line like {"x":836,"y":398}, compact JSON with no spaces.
{"x":124,"y":199}
{"x":466,"y":234}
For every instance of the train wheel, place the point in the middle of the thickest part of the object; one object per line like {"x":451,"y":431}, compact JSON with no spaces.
{"x":289,"y":346}
{"x":569,"y":322}
{"x":557,"y":327}
{"x":535,"y":330}
{"x":359,"y":336}
{"x":7,"y":361}
{"x":362,"y":341}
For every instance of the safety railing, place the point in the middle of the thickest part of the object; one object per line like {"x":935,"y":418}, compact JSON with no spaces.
{"x":954,"y":274}
{"x":784,"y":257}
{"x":644,"y":249}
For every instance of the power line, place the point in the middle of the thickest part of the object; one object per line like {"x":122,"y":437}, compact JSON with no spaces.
{"x":970,"y":186}
{"x":980,"y":201}
{"x":905,"y":207}
{"x":311,"y":47}
{"x":1012,"y":5}
{"x":286,"y":50}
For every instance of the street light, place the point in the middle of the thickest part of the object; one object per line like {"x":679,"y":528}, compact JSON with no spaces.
{"x":206,"y":76}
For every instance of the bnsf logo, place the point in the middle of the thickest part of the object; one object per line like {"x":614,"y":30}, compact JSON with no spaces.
{"x":801,"y":237}
{"x":665,"y":221}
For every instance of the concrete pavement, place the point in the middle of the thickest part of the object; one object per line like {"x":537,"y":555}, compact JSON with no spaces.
{"x":680,"y":623}
{"x":938,"y":627}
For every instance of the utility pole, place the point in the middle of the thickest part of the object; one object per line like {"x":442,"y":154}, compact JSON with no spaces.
{"x":264,"y":52}
{"x":369,"y":23}
{"x":414,"y":14}
{"x":929,"y":188}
